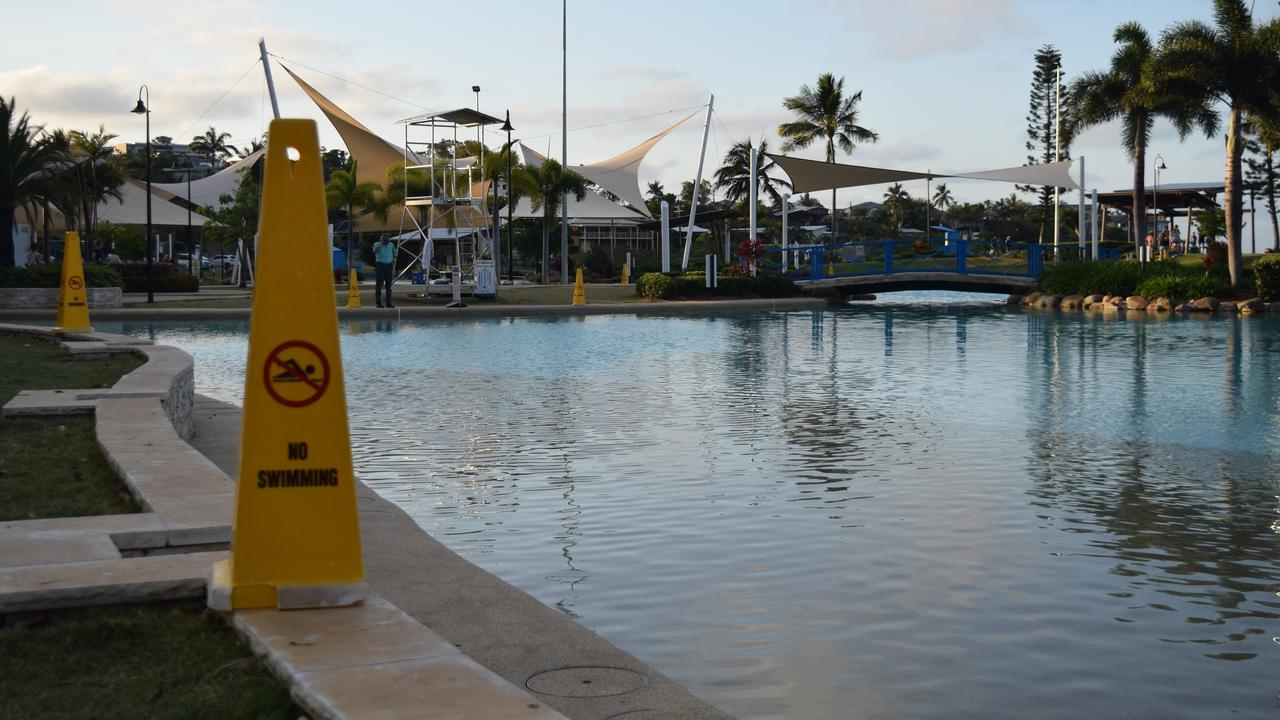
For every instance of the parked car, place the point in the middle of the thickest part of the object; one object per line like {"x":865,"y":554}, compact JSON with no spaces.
{"x":184,"y":260}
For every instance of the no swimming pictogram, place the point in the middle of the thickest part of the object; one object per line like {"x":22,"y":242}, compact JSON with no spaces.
{"x":75,"y":282}
{"x":296,"y":373}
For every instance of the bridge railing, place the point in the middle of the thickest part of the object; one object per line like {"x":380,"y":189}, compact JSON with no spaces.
{"x":893,"y":257}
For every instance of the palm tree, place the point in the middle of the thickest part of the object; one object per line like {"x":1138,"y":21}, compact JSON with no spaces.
{"x":943,"y":198}
{"x":1235,"y":62}
{"x":550,"y":182}
{"x":1130,"y":91}
{"x":27,"y":167}
{"x":734,"y":176}
{"x":654,"y":196}
{"x":213,"y":144}
{"x":100,"y":177}
{"x":895,"y":202}
{"x":825,"y":112}
{"x":254,"y":146}
{"x":344,"y":192}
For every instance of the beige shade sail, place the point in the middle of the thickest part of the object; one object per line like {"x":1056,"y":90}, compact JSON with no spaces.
{"x":208,"y":191}
{"x":620,"y":174}
{"x":813,"y":175}
{"x":131,"y":208}
{"x":592,"y":208}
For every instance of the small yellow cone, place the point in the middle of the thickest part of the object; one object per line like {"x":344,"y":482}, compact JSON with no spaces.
{"x":295,"y":537}
{"x":353,"y":292}
{"x":626,"y":273}
{"x":73,"y":297}
{"x":579,"y":291}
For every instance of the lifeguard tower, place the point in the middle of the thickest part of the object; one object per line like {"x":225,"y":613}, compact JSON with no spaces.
{"x":445,"y":202}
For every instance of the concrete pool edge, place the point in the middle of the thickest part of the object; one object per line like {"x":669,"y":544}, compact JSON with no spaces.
{"x":690,"y":307}
{"x":498,"y":625}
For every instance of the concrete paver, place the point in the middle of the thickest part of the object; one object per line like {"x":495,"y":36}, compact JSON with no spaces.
{"x":105,"y":582}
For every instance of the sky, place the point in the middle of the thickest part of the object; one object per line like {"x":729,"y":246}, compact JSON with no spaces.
{"x":945,"y":82}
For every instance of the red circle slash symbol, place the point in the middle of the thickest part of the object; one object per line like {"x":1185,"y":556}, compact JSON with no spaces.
{"x":296,"y":373}
{"x":75,"y":282}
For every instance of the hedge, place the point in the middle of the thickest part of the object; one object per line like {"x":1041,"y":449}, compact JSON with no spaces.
{"x":1266,"y":277}
{"x":49,"y":275}
{"x":1124,"y":277}
{"x":660,"y":286}
{"x":1181,"y":287}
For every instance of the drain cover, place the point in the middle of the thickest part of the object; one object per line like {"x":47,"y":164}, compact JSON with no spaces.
{"x":586,"y":681}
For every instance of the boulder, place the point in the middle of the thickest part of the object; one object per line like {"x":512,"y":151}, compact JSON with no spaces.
{"x":1113,"y":306}
{"x":1227,"y":306}
{"x":1093,"y":300}
{"x":1252,"y":306}
{"x":1183,"y":307}
{"x":1205,"y":304}
{"x":1072,"y":302}
{"x":1136,"y":302}
{"x":1030,"y":298}
{"x":1161,"y":304}
{"x":1049,"y":301}
{"x":1011,"y":300}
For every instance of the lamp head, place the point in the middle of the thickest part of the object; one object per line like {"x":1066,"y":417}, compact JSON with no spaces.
{"x":506,"y":124}
{"x":1163,"y":166}
{"x":475,"y":88}
{"x":139,"y":109}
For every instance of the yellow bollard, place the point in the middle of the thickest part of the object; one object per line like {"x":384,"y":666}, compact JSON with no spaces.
{"x":353,"y":291}
{"x":831,"y":269}
{"x":295,"y":538}
{"x":579,"y":291}
{"x":626,"y":273}
{"x":73,"y":295}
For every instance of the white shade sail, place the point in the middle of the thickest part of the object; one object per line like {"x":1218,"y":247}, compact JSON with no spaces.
{"x":131,"y":209}
{"x":208,"y":191}
{"x":1050,"y":174}
{"x":620,"y":174}
{"x":592,"y":208}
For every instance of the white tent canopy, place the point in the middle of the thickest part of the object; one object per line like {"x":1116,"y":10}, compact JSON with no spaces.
{"x":813,"y":175}
{"x":593,"y":207}
{"x":620,"y":174}
{"x":131,"y":209}
{"x":208,"y":191}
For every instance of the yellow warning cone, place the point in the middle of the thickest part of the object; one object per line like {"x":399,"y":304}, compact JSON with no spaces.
{"x":353,"y":291}
{"x":626,"y":273}
{"x":295,"y":539}
{"x":579,"y":291}
{"x":73,"y":297}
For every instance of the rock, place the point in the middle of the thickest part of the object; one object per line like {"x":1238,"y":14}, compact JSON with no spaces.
{"x":1252,"y":306}
{"x":1161,"y":304}
{"x":1049,"y":301}
{"x":1205,"y":304}
{"x":1093,"y":300}
{"x":1030,"y":298}
{"x":1072,"y":302}
{"x":1227,"y":306}
{"x":1011,"y":300}
{"x":1113,"y":306}
{"x":1136,"y":302}
{"x":1183,"y":307}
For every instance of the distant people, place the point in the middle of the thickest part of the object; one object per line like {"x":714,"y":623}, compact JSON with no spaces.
{"x":33,"y":254}
{"x":1150,"y":245}
{"x":113,"y":258}
{"x":384,"y":261}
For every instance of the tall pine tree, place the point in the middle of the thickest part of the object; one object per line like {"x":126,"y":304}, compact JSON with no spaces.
{"x":1042,"y":131}
{"x":1262,"y":175}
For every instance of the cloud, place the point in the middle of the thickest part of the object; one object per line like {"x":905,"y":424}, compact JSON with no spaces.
{"x":915,"y":28}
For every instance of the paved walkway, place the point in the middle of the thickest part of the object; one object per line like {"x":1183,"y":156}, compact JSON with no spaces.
{"x":500,"y":626}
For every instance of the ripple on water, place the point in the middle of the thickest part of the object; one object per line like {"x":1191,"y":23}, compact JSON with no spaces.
{"x":912,"y":511}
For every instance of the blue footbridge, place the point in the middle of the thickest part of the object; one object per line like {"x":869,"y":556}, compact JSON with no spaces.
{"x":878,"y":266}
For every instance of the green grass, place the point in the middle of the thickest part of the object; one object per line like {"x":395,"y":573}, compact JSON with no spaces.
{"x":52,"y":466}
{"x":132,"y":662}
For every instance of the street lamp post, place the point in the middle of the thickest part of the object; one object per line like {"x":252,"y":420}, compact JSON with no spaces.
{"x":190,"y":246}
{"x":1158,"y":165}
{"x":143,"y":109}
{"x":506,"y":127}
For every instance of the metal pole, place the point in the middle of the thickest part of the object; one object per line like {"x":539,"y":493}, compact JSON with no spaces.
{"x":697,"y":186}
{"x":511,"y":278}
{"x":786,"y":202}
{"x":1253,"y":222}
{"x":928,"y":204}
{"x":1057,"y":152}
{"x":1097,"y":224}
{"x":271,"y":85}
{"x":666,"y":236}
{"x":1080,"y":223}
{"x":564,"y":138}
{"x":751,"y":195}
{"x":151,"y":296}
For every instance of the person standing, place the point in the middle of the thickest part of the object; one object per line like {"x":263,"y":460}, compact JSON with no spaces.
{"x":33,"y":254}
{"x":384,"y":260}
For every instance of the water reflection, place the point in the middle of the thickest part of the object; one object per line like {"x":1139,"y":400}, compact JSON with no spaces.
{"x":915,"y":511}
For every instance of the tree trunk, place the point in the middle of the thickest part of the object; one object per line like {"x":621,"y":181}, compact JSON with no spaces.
{"x":1139,"y":223}
{"x":7,"y":213}
{"x":1233,"y":200}
{"x":546,"y":242}
{"x":1271,"y":199}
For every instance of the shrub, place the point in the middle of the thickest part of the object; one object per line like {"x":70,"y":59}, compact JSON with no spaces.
{"x":656,"y":286}
{"x":49,"y":275}
{"x":1181,"y":287}
{"x":595,"y":261}
{"x":1108,"y":277}
{"x":1266,"y":277}
{"x":738,"y":287}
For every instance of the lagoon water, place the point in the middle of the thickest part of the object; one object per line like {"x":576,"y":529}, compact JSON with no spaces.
{"x":921,"y":509}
